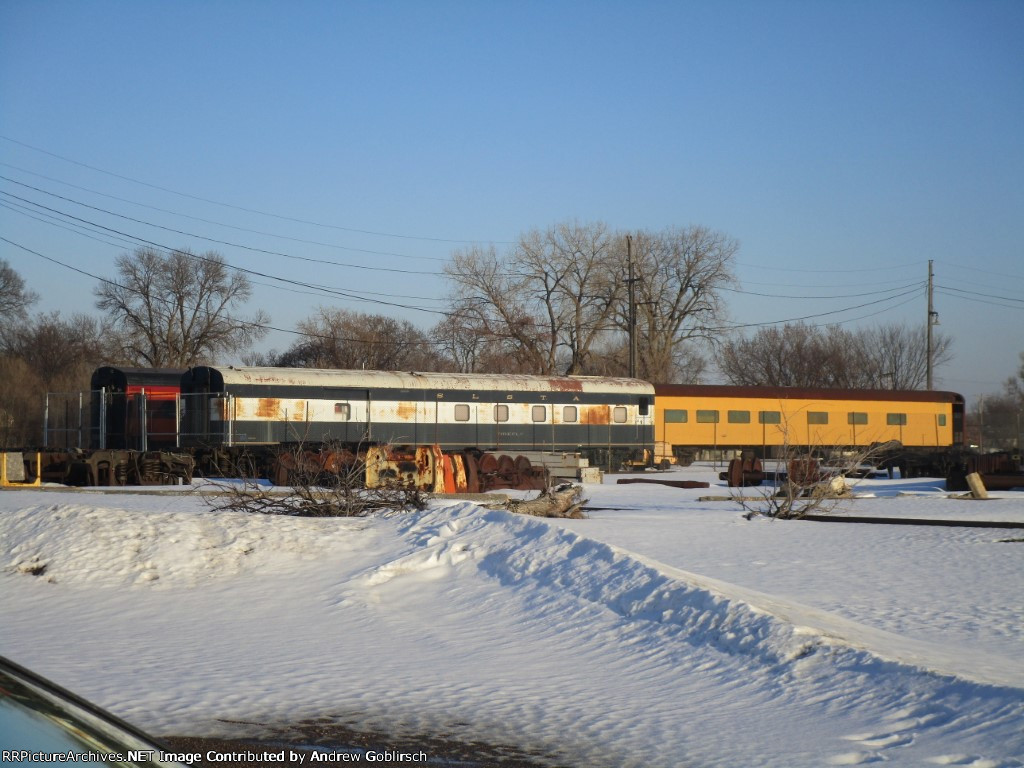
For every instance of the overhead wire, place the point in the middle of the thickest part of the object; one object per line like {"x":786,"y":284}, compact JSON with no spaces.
{"x":830,"y":270}
{"x":242,"y":208}
{"x":265,"y":326}
{"x":612,"y":328}
{"x":837,"y":296}
{"x":321,"y":290}
{"x":252,"y":249}
{"x":226,"y":225}
{"x":341,"y":264}
{"x":297,"y":286}
{"x":976,"y":270}
{"x":290,"y":281}
{"x":984,"y":300}
{"x":736,"y":326}
{"x":72,"y":227}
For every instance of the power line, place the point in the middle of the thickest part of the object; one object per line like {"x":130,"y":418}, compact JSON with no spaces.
{"x":838,"y":296}
{"x":773,"y":268}
{"x":843,"y":283}
{"x":161,"y":246}
{"x":127,"y":241}
{"x":223,"y":224}
{"x":264,"y":326}
{"x":947,"y":292}
{"x":983,"y":295}
{"x":820,"y":314}
{"x":973,"y":269}
{"x":53,"y":221}
{"x":242,"y":208}
{"x":201,"y":237}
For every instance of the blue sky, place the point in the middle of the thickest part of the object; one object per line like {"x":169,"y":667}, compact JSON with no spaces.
{"x":843,"y":144}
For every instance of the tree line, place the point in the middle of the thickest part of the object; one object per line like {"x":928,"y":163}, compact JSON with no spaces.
{"x":561,"y":300}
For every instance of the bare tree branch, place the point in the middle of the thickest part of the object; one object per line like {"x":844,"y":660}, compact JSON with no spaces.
{"x":176,"y":308}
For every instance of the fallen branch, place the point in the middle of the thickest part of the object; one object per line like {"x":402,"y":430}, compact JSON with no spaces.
{"x":561,"y":501}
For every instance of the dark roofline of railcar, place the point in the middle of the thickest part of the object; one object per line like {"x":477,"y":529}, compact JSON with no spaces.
{"x":805,"y":393}
{"x":116,"y":376}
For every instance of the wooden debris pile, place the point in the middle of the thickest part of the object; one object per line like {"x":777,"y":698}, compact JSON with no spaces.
{"x":564,"y":500}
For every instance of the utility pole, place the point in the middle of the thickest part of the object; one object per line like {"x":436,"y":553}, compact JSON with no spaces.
{"x":933,"y":319}
{"x":632,"y":307}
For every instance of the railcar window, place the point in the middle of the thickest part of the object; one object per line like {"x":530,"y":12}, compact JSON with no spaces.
{"x":942,"y":419}
{"x":769,"y":417}
{"x":676,"y":416}
{"x":461,"y":412}
{"x":854,"y":417}
{"x":539,"y":413}
{"x":343,"y":411}
{"x":896,"y":419}
{"x":739,"y":417}
{"x":645,"y":405}
{"x":619,"y":414}
{"x":707,"y":417}
{"x":817,"y":417}
{"x":569,"y":414}
{"x":501,"y":412}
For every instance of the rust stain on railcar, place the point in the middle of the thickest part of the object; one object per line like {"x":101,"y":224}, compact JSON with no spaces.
{"x":406,"y":410}
{"x":566,"y":385}
{"x":277,"y":410}
{"x":268,"y":408}
{"x":595,"y":414}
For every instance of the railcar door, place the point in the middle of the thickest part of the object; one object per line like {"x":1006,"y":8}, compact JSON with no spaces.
{"x":543,"y":426}
{"x":348,"y":416}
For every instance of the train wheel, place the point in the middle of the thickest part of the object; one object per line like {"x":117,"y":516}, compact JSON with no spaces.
{"x":488,"y":464}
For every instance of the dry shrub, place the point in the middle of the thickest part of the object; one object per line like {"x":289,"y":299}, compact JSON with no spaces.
{"x":312,"y":490}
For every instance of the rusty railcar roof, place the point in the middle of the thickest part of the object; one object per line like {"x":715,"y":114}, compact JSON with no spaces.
{"x":316,"y":377}
{"x":806,"y":393}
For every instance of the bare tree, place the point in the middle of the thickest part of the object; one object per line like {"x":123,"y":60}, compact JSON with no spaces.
{"x":176,"y":309}
{"x":679,"y":275}
{"x":457,"y":344}
{"x":997,"y":419}
{"x":800,"y":355}
{"x":14,"y":298}
{"x":689,"y":364}
{"x":341,"y":338}
{"x":545,"y":304}
{"x":898,"y":355}
{"x":795,"y":355}
{"x":570,"y":270}
{"x":45,"y":354}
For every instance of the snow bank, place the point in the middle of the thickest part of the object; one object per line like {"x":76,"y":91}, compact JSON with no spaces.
{"x":590,"y":643}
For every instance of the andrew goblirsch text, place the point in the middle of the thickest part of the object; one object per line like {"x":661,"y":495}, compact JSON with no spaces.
{"x":280,"y":757}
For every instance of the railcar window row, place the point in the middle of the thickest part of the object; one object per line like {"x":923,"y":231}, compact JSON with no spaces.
{"x":708,"y":416}
{"x":462,"y":412}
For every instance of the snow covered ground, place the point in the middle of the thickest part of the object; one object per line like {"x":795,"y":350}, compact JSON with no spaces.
{"x":659,"y":631}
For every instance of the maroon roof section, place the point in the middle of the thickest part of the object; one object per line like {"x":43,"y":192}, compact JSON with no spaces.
{"x":805,"y":393}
